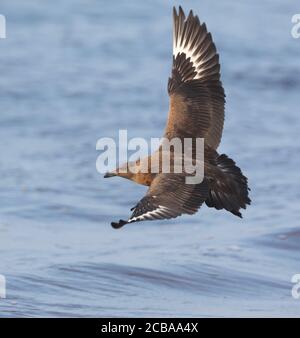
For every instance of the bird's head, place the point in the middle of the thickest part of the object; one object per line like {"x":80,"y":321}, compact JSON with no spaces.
{"x":125,"y":170}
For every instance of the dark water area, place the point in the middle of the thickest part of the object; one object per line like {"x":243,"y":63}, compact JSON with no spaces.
{"x":74,"y":72}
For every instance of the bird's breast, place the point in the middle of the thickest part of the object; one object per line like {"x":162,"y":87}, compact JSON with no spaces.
{"x":143,"y":178}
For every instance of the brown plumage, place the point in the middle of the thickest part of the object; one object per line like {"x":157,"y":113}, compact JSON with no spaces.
{"x":196,"y":110}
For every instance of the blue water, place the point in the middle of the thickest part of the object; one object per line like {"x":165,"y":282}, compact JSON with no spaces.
{"x":74,"y":72}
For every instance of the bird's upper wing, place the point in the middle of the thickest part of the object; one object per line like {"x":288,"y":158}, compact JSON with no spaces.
{"x":168,"y":197}
{"x":196,"y":94}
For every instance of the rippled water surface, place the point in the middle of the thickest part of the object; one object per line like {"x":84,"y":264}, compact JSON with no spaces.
{"x":74,"y":72}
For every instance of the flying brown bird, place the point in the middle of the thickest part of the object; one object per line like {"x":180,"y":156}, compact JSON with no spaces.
{"x":196,"y":110}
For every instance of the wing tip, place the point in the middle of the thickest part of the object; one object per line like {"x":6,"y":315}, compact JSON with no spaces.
{"x":118,"y":225}
{"x":191,"y":38}
{"x":181,"y":10}
{"x":181,"y":14}
{"x":174,"y":11}
{"x":191,"y":15}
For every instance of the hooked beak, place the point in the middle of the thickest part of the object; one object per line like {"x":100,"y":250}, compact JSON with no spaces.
{"x":110,"y":174}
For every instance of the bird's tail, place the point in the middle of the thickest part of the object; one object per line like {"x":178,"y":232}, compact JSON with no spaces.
{"x":229,"y":188}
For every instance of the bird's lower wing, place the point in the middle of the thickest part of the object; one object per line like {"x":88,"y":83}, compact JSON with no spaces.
{"x":168,"y":197}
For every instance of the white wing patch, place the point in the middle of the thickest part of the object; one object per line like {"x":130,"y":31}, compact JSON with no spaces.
{"x":197,"y":45}
{"x":189,"y":53}
{"x":150,"y":214}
